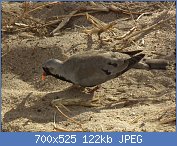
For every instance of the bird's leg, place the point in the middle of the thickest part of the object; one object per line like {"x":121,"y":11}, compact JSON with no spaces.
{"x":93,"y":89}
{"x":78,"y":87}
{"x":75,"y":86}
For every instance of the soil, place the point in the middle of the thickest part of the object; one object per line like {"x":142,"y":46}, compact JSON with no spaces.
{"x":144,"y":99}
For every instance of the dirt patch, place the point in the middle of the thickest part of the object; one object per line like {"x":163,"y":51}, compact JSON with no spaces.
{"x":144,"y":99}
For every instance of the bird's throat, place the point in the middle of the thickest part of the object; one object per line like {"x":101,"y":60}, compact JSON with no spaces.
{"x":61,"y":78}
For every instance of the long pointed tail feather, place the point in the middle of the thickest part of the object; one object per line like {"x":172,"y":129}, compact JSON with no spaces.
{"x":132,"y":61}
{"x":132,"y":53}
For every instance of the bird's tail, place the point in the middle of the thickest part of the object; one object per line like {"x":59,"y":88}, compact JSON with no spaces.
{"x":131,"y":53}
{"x":132,"y":61}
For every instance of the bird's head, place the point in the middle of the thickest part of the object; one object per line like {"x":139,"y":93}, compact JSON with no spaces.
{"x":51,"y":67}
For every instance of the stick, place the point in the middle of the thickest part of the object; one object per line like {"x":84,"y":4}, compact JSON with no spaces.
{"x":126,"y":34}
{"x":40,"y":7}
{"x":65,"y":130}
{"x":131,"y":14}
{"x":142,"y":15}
{"x":20,"y":17}
{"x":61,"y":129}
{"x":53,"y":22}
{"x":149,"y":28}
{"x":116,"y":9}
{"x":68,"y":117}
{"x":64,"y":22}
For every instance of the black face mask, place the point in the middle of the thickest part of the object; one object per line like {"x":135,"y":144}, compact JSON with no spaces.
{"x":47,"y":72}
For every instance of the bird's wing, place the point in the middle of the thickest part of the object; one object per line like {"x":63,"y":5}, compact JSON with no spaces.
{"x":93,"y":68}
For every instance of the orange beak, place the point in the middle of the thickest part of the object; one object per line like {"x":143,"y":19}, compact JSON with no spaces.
{"x":43,"y":76}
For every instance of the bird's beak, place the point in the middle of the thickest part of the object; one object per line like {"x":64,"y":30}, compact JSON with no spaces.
{"x":43,"y":76}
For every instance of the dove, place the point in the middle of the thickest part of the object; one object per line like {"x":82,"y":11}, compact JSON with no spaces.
{"x":91,"y":68}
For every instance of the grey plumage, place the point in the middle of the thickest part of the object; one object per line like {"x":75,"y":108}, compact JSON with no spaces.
{"x":92,"y":68}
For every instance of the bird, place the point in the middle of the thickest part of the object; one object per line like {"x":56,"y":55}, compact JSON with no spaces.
{"x":91,"y":68}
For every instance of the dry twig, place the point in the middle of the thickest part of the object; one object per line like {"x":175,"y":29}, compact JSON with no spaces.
{"x":126,"y":34}
{"x":68,"y":117}
{"x":44,"y":5}
{"x":149,"y":28}
{"x":99,"y":26}
{"x":56,"y":129}
{"x":64,"y":22}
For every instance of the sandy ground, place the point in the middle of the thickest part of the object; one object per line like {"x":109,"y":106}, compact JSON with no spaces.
{"x":139,"y":100}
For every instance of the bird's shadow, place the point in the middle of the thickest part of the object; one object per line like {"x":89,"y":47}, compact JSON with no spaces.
{"x":40,"y":109}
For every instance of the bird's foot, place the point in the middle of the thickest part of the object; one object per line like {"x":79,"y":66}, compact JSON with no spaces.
{"x":88,"y":90}
{"x":92,"y":90}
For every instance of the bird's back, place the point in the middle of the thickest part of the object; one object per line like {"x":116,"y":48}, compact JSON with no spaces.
{"x":93,"y":68}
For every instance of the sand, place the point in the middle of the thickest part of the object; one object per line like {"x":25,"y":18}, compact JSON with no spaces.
{"x":143,"y":100}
